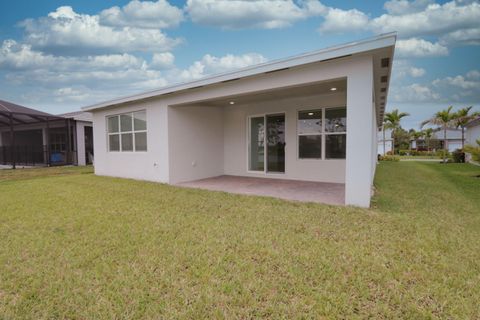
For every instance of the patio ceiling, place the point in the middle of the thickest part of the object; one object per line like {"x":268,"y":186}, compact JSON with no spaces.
{"x":320,"y":88}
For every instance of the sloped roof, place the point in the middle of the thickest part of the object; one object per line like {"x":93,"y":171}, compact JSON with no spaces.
{"x":474,"y":122}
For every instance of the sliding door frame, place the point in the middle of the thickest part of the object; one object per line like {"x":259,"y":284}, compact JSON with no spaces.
{"x":265,"y":146}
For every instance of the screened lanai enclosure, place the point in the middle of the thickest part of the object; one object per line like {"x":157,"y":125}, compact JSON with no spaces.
{"x":30,"y":137}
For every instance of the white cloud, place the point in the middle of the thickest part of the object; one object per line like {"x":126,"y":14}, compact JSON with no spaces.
{"x":210,"y":64}
{"x":241,"y":14}
{"x":453,"y":23}
{"x":457,"y":81}
{"x":81,"y":80}
{"x":337,"y":21}
{"x":414,"y":92}
{"x":416,"y":47}
{"x":70,"y":94}
{"x":462,"y":37}
{"x":400,"y":7}
{"x":403,"y":68}
{"x":143,"y":14}
{"x":21,"y":56}
{"x":436,"y":19}
{"x":416,"y":72}
{"x":162,"y":60}
{"x":459,"y":89}
{"x":64,"y":30}
{"x":473,"y":74}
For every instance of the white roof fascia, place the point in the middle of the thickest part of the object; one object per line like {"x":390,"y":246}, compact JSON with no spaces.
{"x":378,"y":42}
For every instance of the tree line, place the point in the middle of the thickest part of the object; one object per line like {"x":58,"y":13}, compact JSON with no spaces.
{"x":441,"y":120}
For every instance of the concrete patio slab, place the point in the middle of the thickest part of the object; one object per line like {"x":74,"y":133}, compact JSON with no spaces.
{"x":305,"y":191}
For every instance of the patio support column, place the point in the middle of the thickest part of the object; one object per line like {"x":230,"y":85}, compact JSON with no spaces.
{"x":67,"y":142}
{"x":12,"y":142}
{"x":360,"y":118}
{"x":75,"y":142}
{"x":47,"y":131}
{"x":80,"y":143}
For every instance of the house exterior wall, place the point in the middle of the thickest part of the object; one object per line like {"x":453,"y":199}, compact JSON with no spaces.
{"x":388,"y":147}
{"x":472,"y":134}
{"x":453,"y":145}
{"x":151,"y":165}
{"x":388,"y":141}
{"x":361,"y":126}
{"x":196,"y":143}
{"x":236,"y":141}
{"x":166,"y":158}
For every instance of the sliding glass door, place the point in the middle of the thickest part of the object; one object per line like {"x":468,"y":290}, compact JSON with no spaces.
{"x":267,"y":143}
{"x":257,"y":142}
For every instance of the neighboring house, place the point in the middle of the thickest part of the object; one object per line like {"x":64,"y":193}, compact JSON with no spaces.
{"x":387,"y":143}
{"x":454,"y":141}
{"x":472,"y":132}
{"x":30,"y":137}
{"x":83,"y":127}
{"x":312,"y":117}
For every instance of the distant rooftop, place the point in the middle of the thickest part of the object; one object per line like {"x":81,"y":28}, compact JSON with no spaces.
{"x":474,"y":122}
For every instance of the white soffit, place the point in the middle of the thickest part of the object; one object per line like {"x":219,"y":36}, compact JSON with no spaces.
{"x":348,"y":49}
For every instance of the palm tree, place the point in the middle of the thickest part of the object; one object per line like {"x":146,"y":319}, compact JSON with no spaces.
{"x":392,"y":121}
{"x":428,"y":133}
{"x":461,"y":118}
{"x":443,"y":119}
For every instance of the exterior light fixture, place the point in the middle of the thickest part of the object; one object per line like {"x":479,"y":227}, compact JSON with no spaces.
{"x":232,"y":102}
{"x":310,"y":113}
{"x":333,"y":89}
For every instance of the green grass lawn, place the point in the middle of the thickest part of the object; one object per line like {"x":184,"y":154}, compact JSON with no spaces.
{"x":78,"y":246}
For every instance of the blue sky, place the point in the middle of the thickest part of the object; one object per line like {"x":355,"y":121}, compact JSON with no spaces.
{"x":58,"y":56}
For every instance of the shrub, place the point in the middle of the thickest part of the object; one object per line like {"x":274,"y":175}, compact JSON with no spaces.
{"x":458,"y":156}
{"x":389,"y":158}
{"x":403,"y":152}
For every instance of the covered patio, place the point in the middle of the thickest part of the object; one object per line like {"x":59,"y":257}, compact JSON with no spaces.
{"x":305,"y":191}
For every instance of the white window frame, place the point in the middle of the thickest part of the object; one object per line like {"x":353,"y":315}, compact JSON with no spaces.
{"x":120,"y":132}
{"x":323,"y":133}
{"x":265,"y":172}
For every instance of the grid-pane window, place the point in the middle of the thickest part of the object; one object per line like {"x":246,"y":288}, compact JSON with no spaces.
{"x":335,"y":133}
{"x":127,"y":132}
{"x":310,"y":130}
{"x":141,"y":141}
{"x":322,"y":133}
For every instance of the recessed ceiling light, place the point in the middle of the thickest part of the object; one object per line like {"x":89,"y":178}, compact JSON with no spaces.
{"x":232,"y":102}
{"x":310,"y":113}
{"x":333,"y":89}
